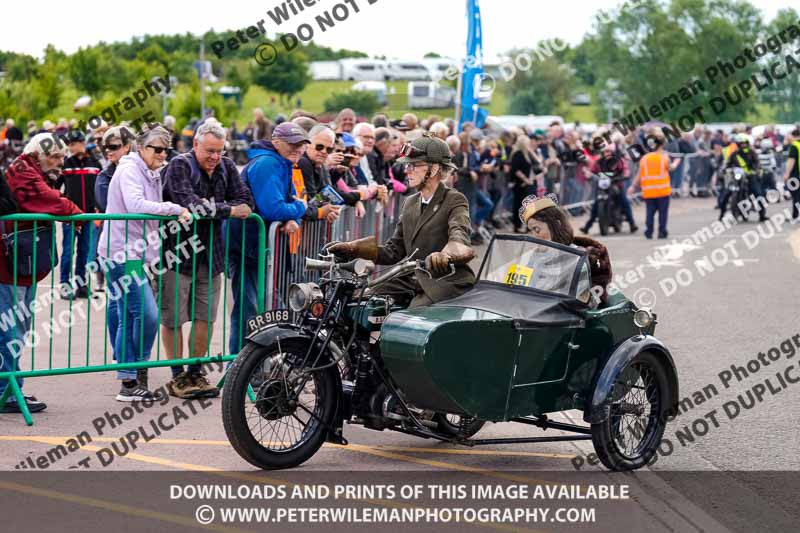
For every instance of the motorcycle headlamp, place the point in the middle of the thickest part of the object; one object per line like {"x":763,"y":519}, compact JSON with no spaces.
{"x":303,"y":295}
{"x":643,"y":318}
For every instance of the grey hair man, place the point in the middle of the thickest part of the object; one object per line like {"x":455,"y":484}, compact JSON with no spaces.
{"x":30,"y":179}
{"x":203,"y":180}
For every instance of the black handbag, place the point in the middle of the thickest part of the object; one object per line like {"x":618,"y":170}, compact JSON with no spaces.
{"x":26,"y":241}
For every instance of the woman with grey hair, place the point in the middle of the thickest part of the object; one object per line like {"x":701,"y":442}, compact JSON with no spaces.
{"x":128,"y":247}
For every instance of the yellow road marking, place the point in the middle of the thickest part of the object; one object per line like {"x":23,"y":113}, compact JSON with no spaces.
{"x":254,"y":478}
{"x":411,"y":449}
{"x":137,"y":512}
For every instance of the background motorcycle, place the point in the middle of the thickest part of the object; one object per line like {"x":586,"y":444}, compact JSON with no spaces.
{"x":609,"y":210}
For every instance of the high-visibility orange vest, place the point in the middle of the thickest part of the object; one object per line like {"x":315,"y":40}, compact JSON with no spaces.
{"x":300,"y":189}
{"x":654,"y":176}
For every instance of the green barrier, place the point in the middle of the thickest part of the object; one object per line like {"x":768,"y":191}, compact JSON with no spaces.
{"x":134,"y":270}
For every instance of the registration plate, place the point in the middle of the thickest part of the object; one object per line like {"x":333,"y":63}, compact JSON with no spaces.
{"x":264,"y":320}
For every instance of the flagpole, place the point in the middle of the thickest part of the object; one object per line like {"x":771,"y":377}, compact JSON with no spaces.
{"x":460,"y":87}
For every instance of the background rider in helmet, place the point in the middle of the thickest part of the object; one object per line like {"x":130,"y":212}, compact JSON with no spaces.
{"x":434,"y":223}
{"x":747,"y":159}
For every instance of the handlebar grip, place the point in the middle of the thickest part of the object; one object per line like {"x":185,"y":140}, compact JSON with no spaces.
{"x":314,"y":264}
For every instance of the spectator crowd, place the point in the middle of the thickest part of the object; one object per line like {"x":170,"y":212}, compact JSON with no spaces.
{"x":294,"y":170}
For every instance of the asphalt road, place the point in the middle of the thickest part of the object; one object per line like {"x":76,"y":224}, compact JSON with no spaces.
{"x":714,"y":310}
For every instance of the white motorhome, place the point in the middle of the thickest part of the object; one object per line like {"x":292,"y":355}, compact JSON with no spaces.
{"x":430,"y":95}
{"x":325,"y":70}
{"x":407,"y":70}
{"x":363,"y":69}
{"x":439,"y":68}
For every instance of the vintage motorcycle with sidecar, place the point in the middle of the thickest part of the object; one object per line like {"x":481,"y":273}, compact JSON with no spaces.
{"x":526,"y":341}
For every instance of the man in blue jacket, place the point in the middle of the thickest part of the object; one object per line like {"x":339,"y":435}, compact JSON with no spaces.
{"x":269,"y":176}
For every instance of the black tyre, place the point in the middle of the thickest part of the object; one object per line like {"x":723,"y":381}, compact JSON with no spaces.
{"x":603,"y":217}
{"x":458,"y":426}
{"x":629,"y":438}
{"x":279,"y":429}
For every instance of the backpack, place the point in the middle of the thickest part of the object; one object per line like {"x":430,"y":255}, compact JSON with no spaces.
{"x":8,"y":205}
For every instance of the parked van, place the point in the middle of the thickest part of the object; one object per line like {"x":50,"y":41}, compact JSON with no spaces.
{"x":326,"y":70}
{"x":378,"y":88}
{"x":430,"y":95}
{"x":363,"y":69}
{"x":439,"y":67}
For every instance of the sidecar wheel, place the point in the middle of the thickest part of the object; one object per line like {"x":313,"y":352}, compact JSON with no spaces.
{"x":274,"y":431}
{"x":450,"y":425}
{"x":630,"y":436}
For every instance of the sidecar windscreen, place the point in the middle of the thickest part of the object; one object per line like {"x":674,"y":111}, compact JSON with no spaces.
{"x":526,"y":262}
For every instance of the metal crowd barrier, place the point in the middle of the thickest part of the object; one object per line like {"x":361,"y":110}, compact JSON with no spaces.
{"x":72,"y":322}
{"x":287,"y":266}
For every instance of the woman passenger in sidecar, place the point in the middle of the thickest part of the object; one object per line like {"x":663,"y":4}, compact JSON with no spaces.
{"x":548,"y":222}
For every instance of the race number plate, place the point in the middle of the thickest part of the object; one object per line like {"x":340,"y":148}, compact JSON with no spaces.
{"x":604,"y":183}
{"x":519,"y":275}
{"x":264,"y":320}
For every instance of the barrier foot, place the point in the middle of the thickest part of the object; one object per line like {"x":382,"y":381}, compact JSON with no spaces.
{"x":13,"y":386}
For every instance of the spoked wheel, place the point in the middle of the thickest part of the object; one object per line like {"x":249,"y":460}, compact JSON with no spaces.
{"x":287,"y":421}
{"x":457,"y":425}
{"x":630,"y":436}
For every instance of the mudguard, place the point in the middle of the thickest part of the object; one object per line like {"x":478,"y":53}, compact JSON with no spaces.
{"x":285,"y":331}
{"x":276,"y":332}
{"x":598,"y":408}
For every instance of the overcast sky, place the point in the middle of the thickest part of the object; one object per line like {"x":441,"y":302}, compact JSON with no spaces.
{"x":395,"y":28}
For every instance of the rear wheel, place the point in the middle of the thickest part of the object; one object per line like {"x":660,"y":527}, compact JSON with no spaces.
{"x":629,"y":438}
{"x":457,"y":425}
{"x":292,"y":411}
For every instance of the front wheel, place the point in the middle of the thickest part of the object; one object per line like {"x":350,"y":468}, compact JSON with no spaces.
{"x":287,"y":421}
{"x":603,"y":217}
{"x":630,"y":436}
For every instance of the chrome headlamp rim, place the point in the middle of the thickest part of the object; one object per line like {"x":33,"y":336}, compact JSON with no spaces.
{"x":302,"y":296}
{"x":643,"y":318}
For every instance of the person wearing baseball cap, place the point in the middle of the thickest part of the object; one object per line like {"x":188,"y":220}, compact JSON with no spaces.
{"x":434,"y":224}
{"x":269,"y":177}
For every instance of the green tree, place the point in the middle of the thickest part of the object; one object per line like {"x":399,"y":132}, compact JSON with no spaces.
{"x":287,"y":76}
{"x":362,"y":102}
{"x":542,"y":90}
{"x":656,"y":47}
{"x":88,"y":70}
{"x":785,"y":94}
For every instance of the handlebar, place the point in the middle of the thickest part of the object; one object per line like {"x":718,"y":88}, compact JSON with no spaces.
{"x":396,"y":270}
{"x":359,"y":267}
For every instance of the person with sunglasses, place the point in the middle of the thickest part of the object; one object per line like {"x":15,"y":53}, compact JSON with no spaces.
{"x":127,"y":249}
{"x":434,"y":224}
{"x":314,"y":167}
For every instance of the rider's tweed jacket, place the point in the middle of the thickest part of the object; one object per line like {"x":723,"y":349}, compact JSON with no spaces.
{"x":444,"y":219}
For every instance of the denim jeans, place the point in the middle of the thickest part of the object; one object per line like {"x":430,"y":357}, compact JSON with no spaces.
{"x":12,"y":333}
{"x":137,"y":316}
{"x":84,"y":245}
{"x":245,"y":303}
{"x":662,"y":206}
{"x":483,"y":207}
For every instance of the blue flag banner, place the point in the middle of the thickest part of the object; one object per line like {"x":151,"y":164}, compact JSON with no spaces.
{"x":473,"y":69}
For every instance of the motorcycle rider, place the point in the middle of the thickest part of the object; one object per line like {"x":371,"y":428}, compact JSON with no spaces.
{"x":611,"y":162}
{"x":746,"y":159}
{"x":434,"y":224}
